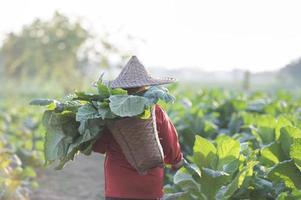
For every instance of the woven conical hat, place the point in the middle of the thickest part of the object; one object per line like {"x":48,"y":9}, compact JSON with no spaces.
{"x":134,"y":74}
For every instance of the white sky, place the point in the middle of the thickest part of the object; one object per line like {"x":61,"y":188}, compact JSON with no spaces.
{"x":208,"y":34}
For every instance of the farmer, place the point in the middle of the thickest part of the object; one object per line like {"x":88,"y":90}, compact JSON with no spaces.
{"x":122,"y":181}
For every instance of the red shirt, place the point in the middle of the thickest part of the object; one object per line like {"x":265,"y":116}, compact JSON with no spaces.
{"x":122,"y":180}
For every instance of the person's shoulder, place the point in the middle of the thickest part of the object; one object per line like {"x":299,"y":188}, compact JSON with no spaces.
{"x":160,"y":113}
{"x":159,"y":109}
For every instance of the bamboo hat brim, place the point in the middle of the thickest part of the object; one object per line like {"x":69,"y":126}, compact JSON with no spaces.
{"x":134,"y":75}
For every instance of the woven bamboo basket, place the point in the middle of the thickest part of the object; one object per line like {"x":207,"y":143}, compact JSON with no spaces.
{"x":139,"y":141}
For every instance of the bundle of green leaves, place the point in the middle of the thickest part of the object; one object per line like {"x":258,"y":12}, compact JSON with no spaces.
{"x":75,"y":123}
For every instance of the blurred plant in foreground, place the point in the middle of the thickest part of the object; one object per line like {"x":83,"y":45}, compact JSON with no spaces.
{"x":20,"y":152}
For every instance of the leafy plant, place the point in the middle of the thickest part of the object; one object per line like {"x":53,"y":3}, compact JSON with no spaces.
{"x":259,"y":135}
{"x":224,"y":169}
{"x":74,"y":125}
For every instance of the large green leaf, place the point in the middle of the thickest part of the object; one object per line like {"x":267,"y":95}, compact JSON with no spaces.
{"x":61,"y":128}
{"x":231,"y":167}
{"x":206,"y":156}
{"x":64,"y":145}
{"x":185,"y":181}
{"x":272,"y":154}
{"x":287,"y":173}
{"x":71,"y":128}
{"x":267,"y":134}
{"x":52,"y":119}
{"x":295,"y":152}
{"x":265,"y":121}
{"x":287,"y":136}
{"x":228,"y":150}
{"x":204,"y":152}
{"x":263,"y":185}
{"x":56,"y":146}
{"x":83,"y":143}
{"x":88,"y":135}
{"x":91,"y":126}
{"x":226,"y":192}
{"x":211,"y":185}
{"x":53,"y":143}
{"x":285,"y":196}
{"x":294,"y":195}
{"x":214,"y":173}
{"x":281,"y":122}
{"x":104,"y":110}
{"x":193,"y":169}
{"x":127,"y":105}
{"x":70,"y":156}
{"x":86,"y":112}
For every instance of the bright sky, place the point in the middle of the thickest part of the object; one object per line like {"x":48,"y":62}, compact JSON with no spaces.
{"x":211,"y":35}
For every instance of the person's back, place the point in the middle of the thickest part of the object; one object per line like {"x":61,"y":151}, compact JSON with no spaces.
{"x":122,"y":180}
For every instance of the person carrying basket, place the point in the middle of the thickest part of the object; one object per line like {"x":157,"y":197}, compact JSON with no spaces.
{"x":136,"y":149}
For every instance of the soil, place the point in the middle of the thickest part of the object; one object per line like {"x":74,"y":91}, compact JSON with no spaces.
{"x":81,"y":179}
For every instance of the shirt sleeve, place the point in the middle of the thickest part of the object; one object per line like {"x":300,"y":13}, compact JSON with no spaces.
{"x":102,"y":142}
{"x":169,"y":139}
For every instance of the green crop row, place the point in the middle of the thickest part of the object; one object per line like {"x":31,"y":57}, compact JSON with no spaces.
{"x":238,"y":146}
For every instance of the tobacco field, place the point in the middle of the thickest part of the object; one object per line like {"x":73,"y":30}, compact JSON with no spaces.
{"x":238,"y":145}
